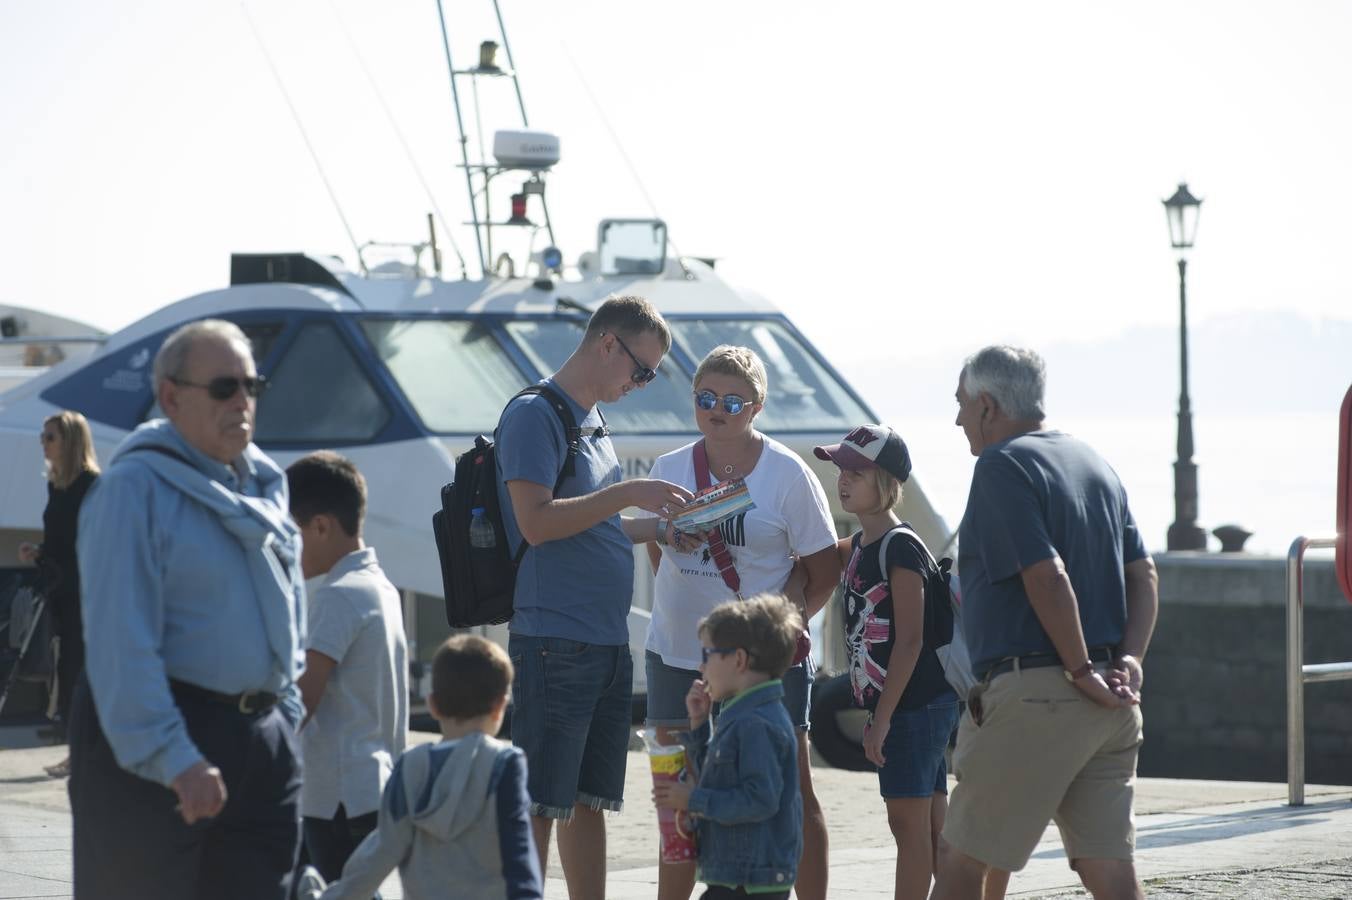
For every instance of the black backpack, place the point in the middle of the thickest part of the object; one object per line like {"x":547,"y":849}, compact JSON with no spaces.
{"x":943,"y":613}
{"x":478,"y":582}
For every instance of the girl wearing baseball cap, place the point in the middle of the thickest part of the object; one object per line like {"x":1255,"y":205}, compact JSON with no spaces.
{"x":893,"y":668}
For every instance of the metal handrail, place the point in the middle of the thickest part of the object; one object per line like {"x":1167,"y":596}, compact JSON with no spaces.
{"x":1297,"y":673}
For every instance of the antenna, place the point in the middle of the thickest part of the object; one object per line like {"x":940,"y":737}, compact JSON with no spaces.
{"x":403,"y":142}
{"x":629,"y":163}
{"x":521,"y":150}
{"x":305,"y":137}
{"x":464,"y":141}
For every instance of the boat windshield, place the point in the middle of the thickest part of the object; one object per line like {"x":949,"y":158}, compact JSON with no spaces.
{"x":454,"y":372}
{"x":803,"y":394}
{"x":663,"y":406}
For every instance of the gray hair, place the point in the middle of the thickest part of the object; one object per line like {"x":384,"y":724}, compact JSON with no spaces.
{"x":1014,"y":377}
{"x":173,"y":355}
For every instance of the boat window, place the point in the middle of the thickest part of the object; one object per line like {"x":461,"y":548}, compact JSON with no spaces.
{"x":319,"y":394}
{"x":632,"y":246}
{"x":803,"y":395}
{"x":262,"y":337}
{"x":454,"y":372}
{"x":663,"y":406}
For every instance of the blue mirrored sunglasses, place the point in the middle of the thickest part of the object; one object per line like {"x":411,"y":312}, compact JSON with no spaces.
{"x":732,"y":404}
{"x":706,"y":652}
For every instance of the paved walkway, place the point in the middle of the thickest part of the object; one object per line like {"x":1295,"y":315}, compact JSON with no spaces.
{"x":1196,"y":839}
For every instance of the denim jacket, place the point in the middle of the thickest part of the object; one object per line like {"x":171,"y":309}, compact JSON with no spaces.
{"x":746,"y":805}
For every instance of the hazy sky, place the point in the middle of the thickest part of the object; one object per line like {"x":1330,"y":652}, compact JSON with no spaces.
{"x":943,"y":174}
{"x":906,"y":180}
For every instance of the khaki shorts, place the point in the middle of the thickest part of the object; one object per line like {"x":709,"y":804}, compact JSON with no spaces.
{"x":1043,"y":752}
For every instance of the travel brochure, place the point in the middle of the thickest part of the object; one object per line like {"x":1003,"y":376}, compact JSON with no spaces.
{"x":713,"y":506}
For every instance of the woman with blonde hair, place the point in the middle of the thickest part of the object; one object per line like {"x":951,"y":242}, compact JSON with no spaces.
{"x":751,"y":553}
{"x":68,"y":449}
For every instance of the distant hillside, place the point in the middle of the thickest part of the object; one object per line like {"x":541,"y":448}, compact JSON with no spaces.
{"x":1246,"y":363}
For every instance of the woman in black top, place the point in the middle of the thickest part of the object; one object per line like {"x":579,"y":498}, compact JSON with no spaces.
{"x":68,"y":449}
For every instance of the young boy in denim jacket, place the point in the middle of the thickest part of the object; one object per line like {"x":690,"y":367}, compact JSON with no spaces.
{"x":745,"y":803}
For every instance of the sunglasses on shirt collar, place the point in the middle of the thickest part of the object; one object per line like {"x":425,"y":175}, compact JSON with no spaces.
{"x":227,"y":386}
{"x":732,"y":404}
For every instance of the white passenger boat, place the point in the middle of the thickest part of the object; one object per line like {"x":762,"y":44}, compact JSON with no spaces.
{"x":399,"y":368}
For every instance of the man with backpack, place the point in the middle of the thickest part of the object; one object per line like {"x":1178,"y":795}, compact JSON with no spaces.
{"x":569,"y":639}
{"x":1059,"y":603}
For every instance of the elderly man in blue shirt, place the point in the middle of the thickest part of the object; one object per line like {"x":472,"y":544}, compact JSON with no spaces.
{"x":185,"y":777}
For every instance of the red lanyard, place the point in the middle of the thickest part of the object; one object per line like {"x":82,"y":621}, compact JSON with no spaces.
{"x":717,"y":546}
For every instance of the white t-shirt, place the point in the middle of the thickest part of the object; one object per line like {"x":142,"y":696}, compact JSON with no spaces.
{"x":359,"y":728}
{"x":791,"y":517}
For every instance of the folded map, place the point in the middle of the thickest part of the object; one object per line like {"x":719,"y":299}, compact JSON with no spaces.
{"x":713,"y":506}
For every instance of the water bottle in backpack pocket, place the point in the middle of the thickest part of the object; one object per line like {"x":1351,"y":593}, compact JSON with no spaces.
{"x":481,"y":536}
{"x":478,"y":568}
{"x":478,"y":573}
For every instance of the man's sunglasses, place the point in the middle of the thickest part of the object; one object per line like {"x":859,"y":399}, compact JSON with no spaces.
{"x":642,"y":374}
{"x":227,"y":386}
{"x":706,"y":652}
{"x":732,"y":404}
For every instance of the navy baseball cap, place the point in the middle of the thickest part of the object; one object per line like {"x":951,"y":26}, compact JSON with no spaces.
{"x":868,"y":446}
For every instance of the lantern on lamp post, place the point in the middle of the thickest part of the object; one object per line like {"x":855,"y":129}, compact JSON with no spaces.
{"x":1183,"y":210}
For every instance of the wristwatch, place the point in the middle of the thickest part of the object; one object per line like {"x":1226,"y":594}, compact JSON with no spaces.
{"x":1077,"y":674}
{"x":662,"y":532}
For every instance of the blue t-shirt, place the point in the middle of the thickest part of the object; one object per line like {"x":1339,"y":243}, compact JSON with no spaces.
{"x":1035,"y":496}
{"x":578,"y":587}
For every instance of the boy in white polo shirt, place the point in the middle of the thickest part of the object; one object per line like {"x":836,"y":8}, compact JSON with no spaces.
{"x":355,"y":685}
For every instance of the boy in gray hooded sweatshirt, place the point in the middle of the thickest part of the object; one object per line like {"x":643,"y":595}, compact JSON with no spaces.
{"x":455,"y":815}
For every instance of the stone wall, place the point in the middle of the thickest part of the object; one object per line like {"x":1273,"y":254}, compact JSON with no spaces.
{"x":1215,"y":689}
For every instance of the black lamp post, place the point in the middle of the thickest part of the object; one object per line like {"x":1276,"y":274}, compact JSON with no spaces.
{"x":1183,"y":210}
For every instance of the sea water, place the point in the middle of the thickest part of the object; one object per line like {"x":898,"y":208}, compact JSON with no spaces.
{"x":1274,"y":474}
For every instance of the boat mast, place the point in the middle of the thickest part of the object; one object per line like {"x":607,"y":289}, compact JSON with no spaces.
{"x":511,"y":65}
{"x":464,"y":143}
{"x":482,"y":222}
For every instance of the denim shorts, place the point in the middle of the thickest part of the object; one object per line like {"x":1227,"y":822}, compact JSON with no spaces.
{"x":668,"y":685}
{"x":914,"y":750}
{"x":572,"y":705}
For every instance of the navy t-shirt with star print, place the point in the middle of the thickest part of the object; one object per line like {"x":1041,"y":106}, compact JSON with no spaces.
{"x":869,"y":625}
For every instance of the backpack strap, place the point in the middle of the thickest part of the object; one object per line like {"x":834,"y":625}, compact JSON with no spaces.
{"x":936,"y":568}
{"x":572,"y":436}
{"x":915,"y":538}
{"x":882,"y":549}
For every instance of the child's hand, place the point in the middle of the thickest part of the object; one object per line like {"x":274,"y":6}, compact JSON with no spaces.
{"x":671,"y":795}
{"x":875,"y":733}
{"x":698,"y":703}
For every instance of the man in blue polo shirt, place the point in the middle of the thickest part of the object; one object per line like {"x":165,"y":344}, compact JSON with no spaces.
{"x":569,"y":638}
{"x":1059,"y":603}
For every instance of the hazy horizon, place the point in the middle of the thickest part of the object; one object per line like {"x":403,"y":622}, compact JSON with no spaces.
{"x":947,"y":176}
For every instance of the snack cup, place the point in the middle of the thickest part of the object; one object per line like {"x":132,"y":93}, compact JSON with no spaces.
{"x":668,"y":764}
